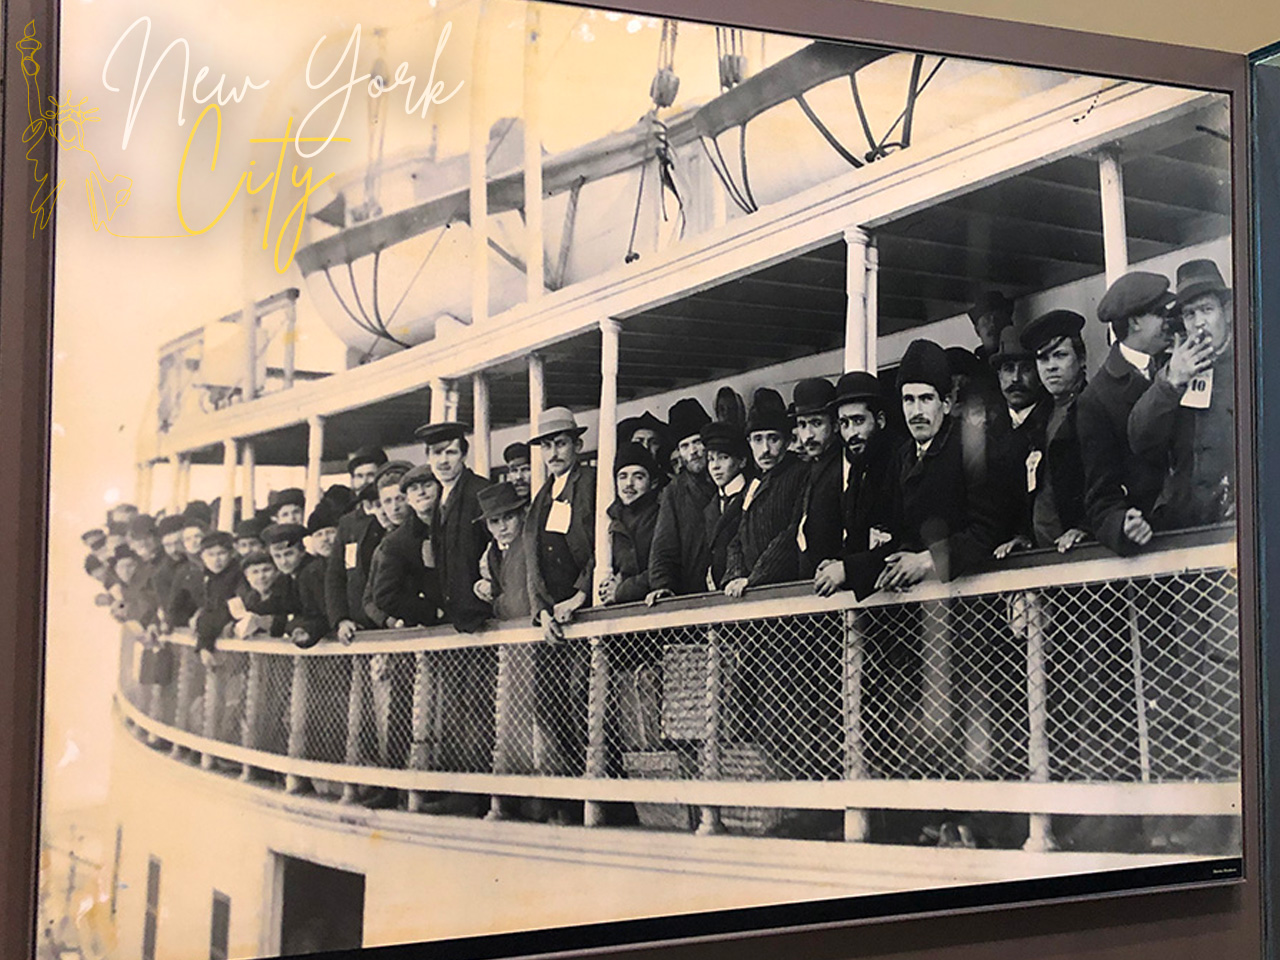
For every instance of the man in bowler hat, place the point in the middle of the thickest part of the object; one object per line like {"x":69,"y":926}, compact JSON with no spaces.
{"x":1121,"y":488}
{"x":678,"y":556}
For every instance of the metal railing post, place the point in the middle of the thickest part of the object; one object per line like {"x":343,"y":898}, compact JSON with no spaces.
{"x":213,"y":691}
{"x":502,"y":723}
{"x":298,"y":704}
{"x":252,"y":722}
{"x":597,"y":697}
{"x":709,"y":761}
{"x":855,"y":758}
{"x":420,"y":749}
{"x":356,"y":695}
{"x":1039,"y":826}
{"x":186,"y":693}
{"x":1139,"y":687}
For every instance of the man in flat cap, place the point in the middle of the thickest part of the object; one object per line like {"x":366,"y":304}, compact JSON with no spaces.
{"x":560,"y":533}
{"x":248,"y":536}
{"x":391,"y":510}
{"x":307,"y":622}
{"x":287,"y":506}
{"x":363,"y":466}
{"x":221,"y":579}
{"x":1120,"y":487}
{"x":870,"y":487}
{"x":678,"y":556}
{"x":770,"y":498}
{"x":727,"y":457}
{"x":1186,"y":421}
{"x":949,"y":522}
{"x":347,"y":572}
{"x":519,"y":468}
{"x":406,"y":576}
{"x":459,"y":541}
{"x":633,"y":515}
{"x":1054,"y":467}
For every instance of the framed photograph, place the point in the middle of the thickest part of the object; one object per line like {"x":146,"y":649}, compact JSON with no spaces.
{"x":529,"y":477}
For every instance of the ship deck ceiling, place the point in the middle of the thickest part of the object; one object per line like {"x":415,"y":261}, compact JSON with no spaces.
{"x":1025,"y":234}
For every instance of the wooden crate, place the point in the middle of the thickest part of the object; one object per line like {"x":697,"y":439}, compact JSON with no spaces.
{"x":684,"y":690}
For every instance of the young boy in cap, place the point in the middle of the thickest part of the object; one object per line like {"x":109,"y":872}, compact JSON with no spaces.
{"x":248,"y":536}
{"x":727,"y":456}
{"x":503,"y":579}
{"x":263,"y":602}
{"x":287,"y":506}
{"x":348,"y":569}
{"x":186,"y":592}
{"x":1121,"y":488}
{"x":770,"y":498}
{"x":678,"y":556}
{"x":458,"y":540}
{"x":391,"y":510}
{"x":322,"y":531}
{"x":632,"y":518}
{"x":1054,"y":466}
{"x":1186,"y":421}
{"x":406,"y":582}
{"x":519,"y":469}
{"x":306,"y":623}
{"x":221,"y":580}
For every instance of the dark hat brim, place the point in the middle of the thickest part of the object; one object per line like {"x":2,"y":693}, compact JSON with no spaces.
{"x":442,"y":432}
{"x":1201,"y":288}
{"x":576,"y":431}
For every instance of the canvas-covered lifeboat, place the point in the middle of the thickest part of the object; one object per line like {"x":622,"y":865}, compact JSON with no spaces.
{"x":386,"y":257}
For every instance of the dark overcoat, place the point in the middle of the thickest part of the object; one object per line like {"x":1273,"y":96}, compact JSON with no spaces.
{"x":347,"y":570}
{"x":631,"y":535}
{"x":580,"y":493}
{"x":404,"y":587}
{"x":1115,"y":477}
{"x":679,"y":555}
{"x":459,"y":544}
{"x":765,"y":514}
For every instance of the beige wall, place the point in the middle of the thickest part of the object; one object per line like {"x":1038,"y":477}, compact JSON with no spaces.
{"x":1238,"y":26}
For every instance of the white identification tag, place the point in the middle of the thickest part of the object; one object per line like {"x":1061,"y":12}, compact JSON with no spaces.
{"x":750,"y":494}
{"x":428,"y":554}
{"x":1199,"y":391}
{"x":236,"y":606}
{"x":801,"y":541}
{"x":559,"y":517}
{"x":349,"y":555}
{"x":878,"y":537}
{"x":1033,"y":462}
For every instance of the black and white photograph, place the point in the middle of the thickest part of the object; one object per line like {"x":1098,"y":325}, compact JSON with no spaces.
{"x":519,"y":467}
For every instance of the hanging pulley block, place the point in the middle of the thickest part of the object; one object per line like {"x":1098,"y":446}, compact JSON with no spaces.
{"x":664,"y":88}
{"x":733,"y":70}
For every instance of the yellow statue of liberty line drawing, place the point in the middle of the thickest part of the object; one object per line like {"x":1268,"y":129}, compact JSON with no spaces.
{"x":66,"y":122}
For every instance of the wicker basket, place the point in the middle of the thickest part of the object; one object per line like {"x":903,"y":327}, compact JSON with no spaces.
{"x":661,"y":765}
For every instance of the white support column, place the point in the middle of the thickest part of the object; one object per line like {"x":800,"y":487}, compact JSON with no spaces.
{"x":606,"y":447}
{"x":249,"y":466}
{"x":439,"y":400}
{"x":451,"y":401}
{"x":176,"y":502}
{"x":142,"y":490}
{"x":479,"y":206}
{"x":183,"y":481}
{"x":859,"y":323}
{"x":534,"y":268}
{"x":249,"y":330}
{"x":872,"y":327}
{"x":481,"y":453}
{"x":537,"y":403}
{"x":315,"y":456}
{"x":1115,"y":243}
{"x":227,"y":505}
{"x":290,"y":342}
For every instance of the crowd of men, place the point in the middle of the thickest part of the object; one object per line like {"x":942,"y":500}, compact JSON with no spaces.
{"x":1006,"y":448}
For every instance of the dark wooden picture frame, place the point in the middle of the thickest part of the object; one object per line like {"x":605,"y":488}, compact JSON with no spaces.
{"x":1225,"y":920}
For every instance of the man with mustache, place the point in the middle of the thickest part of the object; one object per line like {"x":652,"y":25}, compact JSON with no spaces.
{"x":948,"y":519}
{"x":1121,"y":488}
{"x":678,"y":557}
{"x":867,"y":506}
{"x":1013,"y":441}
{"x":770,"y":498}
{"x":814,"y":535}
{"x":1187,"y":419}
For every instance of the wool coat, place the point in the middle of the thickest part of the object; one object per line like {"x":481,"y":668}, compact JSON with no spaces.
{"x":459,"y":544}
{"x":679,"y":555}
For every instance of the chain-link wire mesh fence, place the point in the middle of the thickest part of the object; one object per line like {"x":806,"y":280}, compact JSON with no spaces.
{"x":1132,"y":680}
